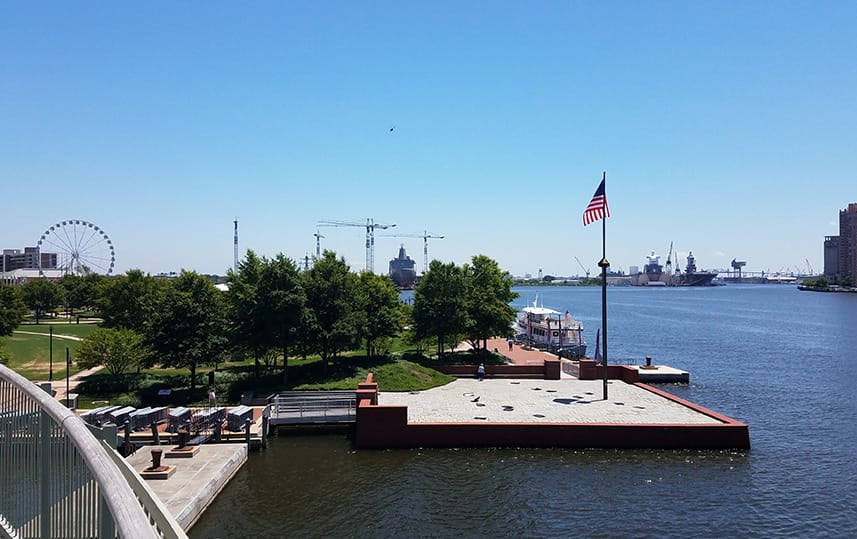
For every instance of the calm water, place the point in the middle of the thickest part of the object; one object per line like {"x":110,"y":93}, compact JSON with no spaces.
{"x":781,"y":360}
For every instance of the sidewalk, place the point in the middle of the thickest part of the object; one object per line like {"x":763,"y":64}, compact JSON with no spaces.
{"x":59,"y":385}
{"x":517,"y":354}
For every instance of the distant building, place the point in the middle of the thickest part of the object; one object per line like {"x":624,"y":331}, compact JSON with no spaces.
{"x":831,"y":256}
{"x":14,"y":259}
{"x":840,"y":252}
{"x":848,"y":243}
{"x":23,"y":275}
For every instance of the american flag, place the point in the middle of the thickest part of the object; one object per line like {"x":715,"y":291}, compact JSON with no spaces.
{"x":597,"y":208}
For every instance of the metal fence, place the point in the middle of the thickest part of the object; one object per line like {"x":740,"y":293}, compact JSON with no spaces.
{"x":58,"y":480}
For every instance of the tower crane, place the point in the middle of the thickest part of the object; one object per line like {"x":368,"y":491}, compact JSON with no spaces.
{"x":670,"y":261}
{"x":370,"y":225}
{"x":584,"y":268}
{"x":425,"y":236}
{"x":318,"y":244}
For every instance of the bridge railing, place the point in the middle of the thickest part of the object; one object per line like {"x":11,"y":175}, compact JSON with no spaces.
{"x":58,"y":480}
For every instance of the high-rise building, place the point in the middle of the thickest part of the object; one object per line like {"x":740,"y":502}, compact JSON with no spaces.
{"x":831,"y":257}
{"x":848,"y":244}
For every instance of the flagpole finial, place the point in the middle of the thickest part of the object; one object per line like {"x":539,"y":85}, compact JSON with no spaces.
{"x":603,"y":263}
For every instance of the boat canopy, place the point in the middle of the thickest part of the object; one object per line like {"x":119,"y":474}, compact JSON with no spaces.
{"x":540,"y":310}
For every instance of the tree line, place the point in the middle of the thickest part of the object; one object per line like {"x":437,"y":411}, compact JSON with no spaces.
{"x":272,"y":311}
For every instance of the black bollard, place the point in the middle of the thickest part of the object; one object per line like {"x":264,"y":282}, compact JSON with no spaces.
{"x":648,"y":361}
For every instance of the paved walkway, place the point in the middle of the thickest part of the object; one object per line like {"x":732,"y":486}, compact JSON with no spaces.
{"x":541,"y":401}
{"x":59,"y":385}
{"x":518,"y":355}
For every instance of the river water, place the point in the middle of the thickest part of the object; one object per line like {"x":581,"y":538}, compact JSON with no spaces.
{"x":781,"y":360}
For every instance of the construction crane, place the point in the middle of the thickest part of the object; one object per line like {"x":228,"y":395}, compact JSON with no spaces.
{"x":317,"y":244}
{"x":584,"y":268}
{"x":425,"y":236}
{"x":370,"y":225}
{"x":670,"y":261}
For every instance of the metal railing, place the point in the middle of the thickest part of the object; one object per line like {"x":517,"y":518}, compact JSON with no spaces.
{"x":295,"y":407}
{"x":58,"y":480}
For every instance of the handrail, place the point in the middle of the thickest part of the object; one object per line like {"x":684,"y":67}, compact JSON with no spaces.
{"x":158,"y":512}
{"x":129,"y":518}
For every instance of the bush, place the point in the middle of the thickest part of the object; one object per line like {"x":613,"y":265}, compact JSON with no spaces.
{"x":126,"y":399}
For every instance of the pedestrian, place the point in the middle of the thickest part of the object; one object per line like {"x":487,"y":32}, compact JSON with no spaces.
{"x":480,"y":372}
{"x":511,"y":342}
{"x":212,"y":398}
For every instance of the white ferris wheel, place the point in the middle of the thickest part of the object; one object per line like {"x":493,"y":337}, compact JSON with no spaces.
{"x":81,"y":247}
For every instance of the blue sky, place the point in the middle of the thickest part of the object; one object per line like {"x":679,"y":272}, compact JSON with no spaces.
{"x":727,"y":128}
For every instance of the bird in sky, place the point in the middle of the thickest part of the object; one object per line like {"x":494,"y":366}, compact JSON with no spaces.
{"x":391,"y":129}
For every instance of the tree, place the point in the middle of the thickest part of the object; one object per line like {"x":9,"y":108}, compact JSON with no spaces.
{"x":440,"y":304}
{"x":489,"y":291}
{"x":80,"y":290}
{"x":282,"y":299}
{"x":117,"y":349}
{"x":332,"y":314}
{"x":42,"y":296}
{"x":247,"y":319}
{"x":381,"y":309}
{"x":12,"y":309}
{"x":188,"y":324}
{"x":127,"y":301}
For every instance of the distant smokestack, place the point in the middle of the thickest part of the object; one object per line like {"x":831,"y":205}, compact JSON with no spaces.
{"x":235,"y":253}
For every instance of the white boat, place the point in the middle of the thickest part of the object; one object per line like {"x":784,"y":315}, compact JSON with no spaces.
{"x":540,"y":327}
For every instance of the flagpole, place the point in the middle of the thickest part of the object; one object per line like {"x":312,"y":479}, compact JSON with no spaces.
{"x":604,"y":264}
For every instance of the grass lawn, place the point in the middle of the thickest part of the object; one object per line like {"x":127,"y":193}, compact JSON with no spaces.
{"x":30,"y":355}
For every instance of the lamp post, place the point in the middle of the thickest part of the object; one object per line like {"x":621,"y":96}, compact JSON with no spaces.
{"x":67,"y":366}
{"x":51,"y":371}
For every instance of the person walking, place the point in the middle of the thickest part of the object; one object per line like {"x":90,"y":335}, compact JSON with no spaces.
{"x":480,"y":372}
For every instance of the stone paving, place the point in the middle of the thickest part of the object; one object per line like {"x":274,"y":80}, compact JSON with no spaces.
{"x":541,"y":401}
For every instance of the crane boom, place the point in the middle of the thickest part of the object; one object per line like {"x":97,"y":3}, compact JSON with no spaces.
{"x":425,"y":236}
{"x":370,"y":225}
{"x":584,"y":268}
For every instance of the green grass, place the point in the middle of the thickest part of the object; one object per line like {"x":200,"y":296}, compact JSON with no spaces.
{"x":30,"y":355}
{"x":232,"y":380}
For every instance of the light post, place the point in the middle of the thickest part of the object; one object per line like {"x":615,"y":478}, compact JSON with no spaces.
{"x":67,"y":366}
{"x":51,"y":371}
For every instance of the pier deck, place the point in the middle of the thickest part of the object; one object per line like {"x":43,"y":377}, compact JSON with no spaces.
{"x":196,"y":482}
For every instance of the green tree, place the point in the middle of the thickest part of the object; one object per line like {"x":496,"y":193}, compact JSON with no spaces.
{"x":333,"y":317}
{"x":382,"y":312}
{"x":42,"y":295}
{"x":80,"y":290}
{"x":489,"y":291}
{"x":283,"y":299}
{"x":248,"y":321}
{"x":440,"y":304}
{"x":117,"y":349}
{"x":12,"y":309}
{"x":188,"y":325}
{"x":127,"y":301}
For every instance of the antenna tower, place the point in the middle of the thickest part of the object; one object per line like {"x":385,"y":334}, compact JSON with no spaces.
{"x":235,"y":247}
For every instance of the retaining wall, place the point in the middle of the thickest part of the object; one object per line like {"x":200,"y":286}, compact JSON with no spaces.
{"x":382,"y":427}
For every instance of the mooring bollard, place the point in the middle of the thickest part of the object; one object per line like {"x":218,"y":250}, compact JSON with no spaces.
{"x":217,"y":431}
{"x":156,"y":459}
{"x":648,"y":361}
